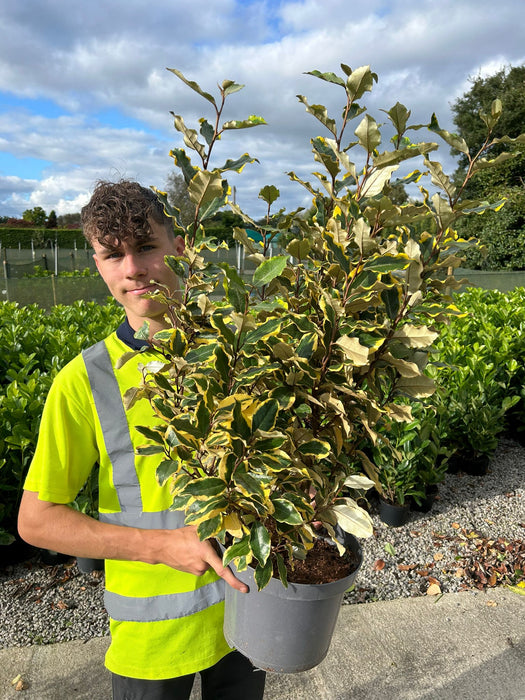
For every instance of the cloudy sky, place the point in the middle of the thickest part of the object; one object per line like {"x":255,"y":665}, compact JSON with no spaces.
{"x":85,"y":94}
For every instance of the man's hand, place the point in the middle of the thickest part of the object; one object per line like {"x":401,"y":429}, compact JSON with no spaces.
{"x":186,"y":552}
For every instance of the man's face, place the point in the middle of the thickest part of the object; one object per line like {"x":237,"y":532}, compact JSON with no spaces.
{"x":129,"y":268}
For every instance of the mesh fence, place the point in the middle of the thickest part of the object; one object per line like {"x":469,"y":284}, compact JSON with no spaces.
{"x":48,"y":291}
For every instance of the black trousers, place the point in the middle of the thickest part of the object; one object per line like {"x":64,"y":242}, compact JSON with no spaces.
{"x":232,"y":678}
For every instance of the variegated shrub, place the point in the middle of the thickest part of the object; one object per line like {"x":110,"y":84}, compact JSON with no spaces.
{"x":267,"y":393}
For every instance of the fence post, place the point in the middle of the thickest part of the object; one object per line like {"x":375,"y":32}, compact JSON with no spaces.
{"x":54,"y":290}
{"x":6,"y":274}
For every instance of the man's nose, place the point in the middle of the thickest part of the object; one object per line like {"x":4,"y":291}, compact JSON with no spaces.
{"x":134,"y":267}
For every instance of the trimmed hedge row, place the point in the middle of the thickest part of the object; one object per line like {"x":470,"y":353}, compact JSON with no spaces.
{"x":35,"y":345}
{"x":12,"y":237}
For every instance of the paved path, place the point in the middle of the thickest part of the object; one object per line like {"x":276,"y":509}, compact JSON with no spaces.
{"x":463,"y":646}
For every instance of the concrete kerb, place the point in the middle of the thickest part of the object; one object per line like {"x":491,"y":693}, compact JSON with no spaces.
{"x":461,"y":646}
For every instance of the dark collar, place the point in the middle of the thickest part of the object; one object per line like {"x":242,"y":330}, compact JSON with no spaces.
{"x":126,"y":333}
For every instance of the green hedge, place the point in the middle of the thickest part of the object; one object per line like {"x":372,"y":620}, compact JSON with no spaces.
{"x":35,"y":345}
{"x":12,"y":237}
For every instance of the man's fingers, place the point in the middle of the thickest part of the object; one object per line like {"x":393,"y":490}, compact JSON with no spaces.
{"x":225,"y":573}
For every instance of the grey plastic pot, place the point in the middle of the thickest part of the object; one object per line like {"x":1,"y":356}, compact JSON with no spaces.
{"x":87,"y":565}
{"x":285,"y":630}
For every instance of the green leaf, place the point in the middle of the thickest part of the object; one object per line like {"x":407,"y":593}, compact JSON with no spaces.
{"x":191,"y":138}
{"x":249,"y":485}
{"x":361,"y":80}
{"x":184,"y":163}
{"x":239,"y":549}
{"x":206,"y":487}
{"x":200,"y":354}
{"x":283,"y":574}
{"x":229,"y":87}
{"x":392,"y":298}
{"x":269,"y":269}
{"x":222,"y":363}
{"x":260,"y":542}
{"x":315,"y":448}
{"x":439,"y":178}
{"x":389,"y":549}
{"x":320,"y":113}
{"x":286,"y":512}
{"x":368,"y":134}
{"x":307,"y":345}
{"x":165,"y":470}
{"x":453,"y":140}
{"x":399,"y":116}
{"x":263,"y":574}
{"x":226,"y":333}
{"x":239,"y":425}
{"x":236,"y":290}
{"x":328,"y":77}
{"x":269,"y":193}
{"x":237,"y":165}
{"x":157,"y":435}
{"x":193,"y":85}
{"x":265,"y":330}
{"x":265,"y":416}
{"x":252,"y":120}
{"x":210,"y":528}
{"x":207,"y":131}
{"x":205,"y":187}
{"x":299,"y":248}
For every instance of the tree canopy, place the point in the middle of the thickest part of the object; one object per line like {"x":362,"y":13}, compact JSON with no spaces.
{"x":502,"y":234}
{"x":36,"y":216}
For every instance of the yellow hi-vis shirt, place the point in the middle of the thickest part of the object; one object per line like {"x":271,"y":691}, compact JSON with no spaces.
{"x":164,"y":623}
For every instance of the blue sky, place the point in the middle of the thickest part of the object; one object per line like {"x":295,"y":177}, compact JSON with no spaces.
{"x":85,"y":94}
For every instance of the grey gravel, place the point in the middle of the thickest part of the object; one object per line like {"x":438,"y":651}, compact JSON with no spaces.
{"x":42,"y":604}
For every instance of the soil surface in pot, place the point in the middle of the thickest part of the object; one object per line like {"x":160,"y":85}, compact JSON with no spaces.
{"x":323,"y":564}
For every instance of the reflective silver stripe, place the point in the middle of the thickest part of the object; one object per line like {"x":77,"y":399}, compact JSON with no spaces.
{"x":112,"y":417}
{"x":160,"y":520}
{"x":113,"y":421}
{"x":163,"y":607}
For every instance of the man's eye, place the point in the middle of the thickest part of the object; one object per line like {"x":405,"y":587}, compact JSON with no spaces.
{"x":146,"y":247}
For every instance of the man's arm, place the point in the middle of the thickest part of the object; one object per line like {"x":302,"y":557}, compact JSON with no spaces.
{"x":63,"y":529}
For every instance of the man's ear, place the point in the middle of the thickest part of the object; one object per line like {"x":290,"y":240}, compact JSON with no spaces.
{"x":179,"y":245}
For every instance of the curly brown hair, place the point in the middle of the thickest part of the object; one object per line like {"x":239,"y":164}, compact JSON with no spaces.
{"x":119,"y":211}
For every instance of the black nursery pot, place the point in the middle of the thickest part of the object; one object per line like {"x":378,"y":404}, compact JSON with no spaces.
{"x":426,"y":504}
{"x":16,"y":552}
{"x":469,"y":464}
{"x":393,"y":515}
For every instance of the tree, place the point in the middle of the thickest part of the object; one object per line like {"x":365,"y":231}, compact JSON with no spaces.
{"x":69,"y":220}
{"x":51,"y":219}
{"x":503,"y":235}
{"x":36,"y":216}
{"x":178,"y":196}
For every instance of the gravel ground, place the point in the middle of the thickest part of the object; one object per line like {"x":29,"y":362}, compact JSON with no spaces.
{"x":474,"y":537}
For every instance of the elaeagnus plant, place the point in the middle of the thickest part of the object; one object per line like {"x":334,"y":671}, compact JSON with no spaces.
{"x":269,"y":387}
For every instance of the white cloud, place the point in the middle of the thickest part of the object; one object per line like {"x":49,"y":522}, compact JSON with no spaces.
{"x":113,"y":57}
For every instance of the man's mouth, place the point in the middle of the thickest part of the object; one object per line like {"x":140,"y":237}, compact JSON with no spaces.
{"x":138,"y":291}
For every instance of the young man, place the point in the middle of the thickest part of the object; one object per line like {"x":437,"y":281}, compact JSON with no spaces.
{"x":164,"y":588}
